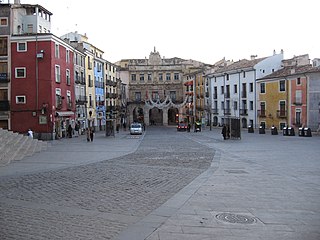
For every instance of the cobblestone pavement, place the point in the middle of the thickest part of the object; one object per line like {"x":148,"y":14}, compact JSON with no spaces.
{"x":99,"y":200}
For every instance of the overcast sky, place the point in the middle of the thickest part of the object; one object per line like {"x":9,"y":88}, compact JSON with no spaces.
{"x":203,"y":30}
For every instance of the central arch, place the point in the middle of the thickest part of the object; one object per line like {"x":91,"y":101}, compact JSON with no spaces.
{"x":156,"y":116}
{"x":173,"y":116}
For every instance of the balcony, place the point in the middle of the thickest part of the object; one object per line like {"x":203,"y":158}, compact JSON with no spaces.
{"x":69,"y":105}
{"x":4,"y":78}
{"x":215,"y":111}
{"x":244,"y":112}
{"x":281,"y":114}
{"x":4,"y":105}
{"x":261,"y":113}
{"x":81,"y":100}
{"x":227,"y":111}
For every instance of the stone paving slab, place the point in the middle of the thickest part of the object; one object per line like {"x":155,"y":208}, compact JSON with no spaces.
{"x":275,"y":180}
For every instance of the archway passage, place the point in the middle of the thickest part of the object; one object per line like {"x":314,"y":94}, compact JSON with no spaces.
{"x":156,"y":116}
{"x":173,"y":116}
{"x":138,"y":115}
{"x":215,"y":121}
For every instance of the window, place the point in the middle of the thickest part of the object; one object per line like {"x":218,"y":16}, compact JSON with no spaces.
{"x":176,"y":76}
{"x":251,"y":105}
{"x":282,"y":85}
{"x":262,"y":87}
{"x":173,"y":95}
{"x":40,"y":29}
{"x":244,"y":74}
{"x":3,"y":46}
{"x":57,"y":74}
{"x":3,"y":22}
{"x":298,"y":99}
{"x":141,"y":77}
{"x":68,"y":77}
{"x":168,"y":76}
{"x":222,"y":105}
{"x":298,"y":81}
{"x":58,"y":98}
{"x":222,"y":89}
{"x":137,"y":96}
{"x":155,"y":96}
{"x":30,"y":28}
{"x":22,"y":47}
{"x":251,"y":87}
{"x":235,"y":105}
{"x":298,"y":116}
{"x":227,"y":77}
{"x":20,"y":72}
{"x":235,"y":88}
{"x":160,"y":77}
{"x":57,"y":51}
{"x":20,"y":99}
{"x":149,"y":77}
{"x":68,"y":56}
{"x":262,"y":109}
{"x":282,"y":105}
{"x":133,"y":77}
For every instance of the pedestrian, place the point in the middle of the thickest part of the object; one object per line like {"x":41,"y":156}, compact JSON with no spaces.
{"x":224,"y":132}
{"x":76,"y":130}
{"x":118,"y":127}
{"x":91,"y":134}
{"x":88,"y":134}
{"x":70,"y":131}
{"x":124,"y":126}
{"x":30,"y":133}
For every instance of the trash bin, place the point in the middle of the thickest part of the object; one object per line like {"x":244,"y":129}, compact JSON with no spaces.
{"x":274,"y":131}
{"x":291,"y":131}
{"x":301,"y":132}
{"x":285,"y":131}
{"x":307,"y":132}
{"x":262,"y":130}
{"x":250,"y":129}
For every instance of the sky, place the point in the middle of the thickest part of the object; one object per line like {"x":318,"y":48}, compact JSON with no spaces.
{"x":202,"y":30}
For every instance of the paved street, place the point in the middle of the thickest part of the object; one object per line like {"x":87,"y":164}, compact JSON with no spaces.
{"x":49,"y":197}
{"x":165,"y":185}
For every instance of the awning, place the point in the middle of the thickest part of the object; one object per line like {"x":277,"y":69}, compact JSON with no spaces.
{"x":65,"y":113}
{"x":190,"y":83}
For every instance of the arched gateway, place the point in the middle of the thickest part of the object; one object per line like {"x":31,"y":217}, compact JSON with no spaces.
{"x":156,"y":112}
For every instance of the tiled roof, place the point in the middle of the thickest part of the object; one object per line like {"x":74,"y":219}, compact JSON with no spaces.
{"x":291,"y":71}
{"x":241,"y":64}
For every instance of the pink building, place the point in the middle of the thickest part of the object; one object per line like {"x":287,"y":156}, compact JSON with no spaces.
{"x":298,"y":101}
{"x":42,"y":85}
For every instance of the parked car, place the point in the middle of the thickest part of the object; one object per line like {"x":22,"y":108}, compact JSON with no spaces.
{"x":182,"y":127}
{"x":136,"y":128}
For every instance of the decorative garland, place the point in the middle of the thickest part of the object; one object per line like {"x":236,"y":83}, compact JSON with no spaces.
{"x":167,"y":103}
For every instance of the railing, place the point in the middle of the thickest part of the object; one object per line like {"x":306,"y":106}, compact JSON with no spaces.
{"x":244,"y":111}
{"x":81,"y":99}
{"x":281,"y":113}
{"x":227,"y":111}
{"x":215,"y":111}
{"x":261,"y":113}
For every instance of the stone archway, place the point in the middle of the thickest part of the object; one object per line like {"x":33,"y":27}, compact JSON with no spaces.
{"x":172,"y":116}
{"x":138,"y":115}
{"x":156,"y":116}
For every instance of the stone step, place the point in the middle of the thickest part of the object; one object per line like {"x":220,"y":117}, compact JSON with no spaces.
{"x":14,"y":146}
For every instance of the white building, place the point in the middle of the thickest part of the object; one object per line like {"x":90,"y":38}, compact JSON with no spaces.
{"x":233,"y":88}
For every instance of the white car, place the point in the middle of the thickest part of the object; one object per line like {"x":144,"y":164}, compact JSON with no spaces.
{"x":136,"y":128}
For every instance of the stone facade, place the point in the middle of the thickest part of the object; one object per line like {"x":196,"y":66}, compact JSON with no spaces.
{"x":156,"y":94}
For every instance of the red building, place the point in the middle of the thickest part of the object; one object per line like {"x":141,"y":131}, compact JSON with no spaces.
{"x":42,"y":85}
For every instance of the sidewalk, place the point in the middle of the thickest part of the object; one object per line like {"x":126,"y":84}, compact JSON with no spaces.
{"x":68,"y":152}
{"x":259,"y":187}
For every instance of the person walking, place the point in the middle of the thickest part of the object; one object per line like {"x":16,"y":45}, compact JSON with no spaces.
{"x":30,"y":133}
{"x":91,"y":134}
{"x":70,"y":131}
{"x":224,"y":132}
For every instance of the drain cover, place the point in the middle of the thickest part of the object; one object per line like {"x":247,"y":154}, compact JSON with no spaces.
{"x":235,"y":218}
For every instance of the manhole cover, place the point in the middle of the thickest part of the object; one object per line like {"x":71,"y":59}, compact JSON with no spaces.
{"x":235,"y":218}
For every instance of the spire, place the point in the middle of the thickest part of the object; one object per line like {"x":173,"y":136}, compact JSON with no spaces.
{"x":154,"y":49}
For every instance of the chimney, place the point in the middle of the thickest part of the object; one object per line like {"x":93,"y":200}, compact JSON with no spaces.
{"x":17,"y":2}
{"x":253,"y":57}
